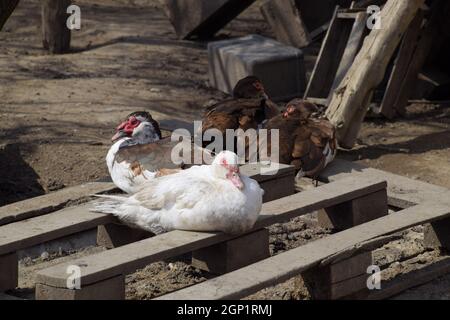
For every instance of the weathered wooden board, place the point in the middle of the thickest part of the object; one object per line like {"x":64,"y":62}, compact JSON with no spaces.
{"x":327,"y":64}
{"x":57,"y":200}
{"x":27,"y":233}
{"x":248,"y":280}
{"x":403,"y":192}
{"x":411,"y":280}
{"x":355,"y":40}
{"x":400,"y":69}
{"x":130,"y":257}
{"x":51,"y":202}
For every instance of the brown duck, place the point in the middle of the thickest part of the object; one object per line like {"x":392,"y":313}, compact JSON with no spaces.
{"x":249,"y":108}
{"x":305,"y":140}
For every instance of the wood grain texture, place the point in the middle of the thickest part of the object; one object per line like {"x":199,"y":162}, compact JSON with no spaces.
{"x":277,"y":269}
{"x":128,"y":258}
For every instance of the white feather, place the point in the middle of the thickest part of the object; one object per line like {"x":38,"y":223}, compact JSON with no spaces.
{"x":193,"y":199}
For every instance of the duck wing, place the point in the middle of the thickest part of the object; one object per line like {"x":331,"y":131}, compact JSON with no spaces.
{"x":314,"y":146}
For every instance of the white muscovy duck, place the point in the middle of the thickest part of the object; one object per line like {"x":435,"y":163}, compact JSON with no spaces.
{"x":202,"y":198}
{"x":139,"y":153}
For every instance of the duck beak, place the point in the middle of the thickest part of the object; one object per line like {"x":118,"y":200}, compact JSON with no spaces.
{"x":237,"y":182}
{"x":119,"y":134}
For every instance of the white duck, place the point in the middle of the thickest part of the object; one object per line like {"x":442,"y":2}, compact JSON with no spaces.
{"x":202,"y":198}
{"x":139,"y":153}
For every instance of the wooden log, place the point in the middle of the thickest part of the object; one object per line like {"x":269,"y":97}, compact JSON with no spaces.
{"x":351,"y":99}
{"x":6,"y":9}
{"x":55,"y":34}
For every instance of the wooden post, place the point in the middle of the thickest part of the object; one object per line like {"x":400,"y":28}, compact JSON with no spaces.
{"x":116,"y":235}
{"x":355,"y":212}
{"x":351,"y":98}
{"x":109,"y":289}
{"x":56,"y":35}
{"x":339,"y":280}
{"x":437,"y":235}
{"x":234,"y":254}
{"x":9,"y":271}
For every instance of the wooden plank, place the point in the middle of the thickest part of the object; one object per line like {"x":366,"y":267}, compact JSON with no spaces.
{"x":330,"y":54}
{"x":354,"y":44}
{"x":262,"y":173}
{"x":351,"y":99}
{"x":403,"y":192}
{"x":246,"y":281}
{"x":411,"y":280}
{"x":27,"y":233}
{"x":439,"y":14}
{"x":286,"y":22}
{"x":57,"y":200}
{"x":128,"y":258}
{"x":51,"y":202}
{"x":401,"y":65}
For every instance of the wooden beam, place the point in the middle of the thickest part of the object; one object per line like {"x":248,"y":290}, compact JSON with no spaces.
{"x":411,"y":280}
{"x":52,"y":202}
{"x":400,"y":69}
{"x":131,"y":257}
{"x":403,"y":192}
{"x":246,"y":281}
{"x":351,"y":99}
{"x":329,"y":57}
{"x":55,"y":34}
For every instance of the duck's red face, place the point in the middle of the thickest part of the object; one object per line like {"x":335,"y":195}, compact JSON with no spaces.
{"x":125,"y":129}
{"x":290,"y":111}
{"x":259,"y":86}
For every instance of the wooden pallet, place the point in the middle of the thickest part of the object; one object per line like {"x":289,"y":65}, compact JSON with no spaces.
{"x":44,"y":219}
{"x":333,"y":267}
{"x":108,"y":268}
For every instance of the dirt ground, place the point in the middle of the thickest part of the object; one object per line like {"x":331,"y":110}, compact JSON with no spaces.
{"x":57,"y":114}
